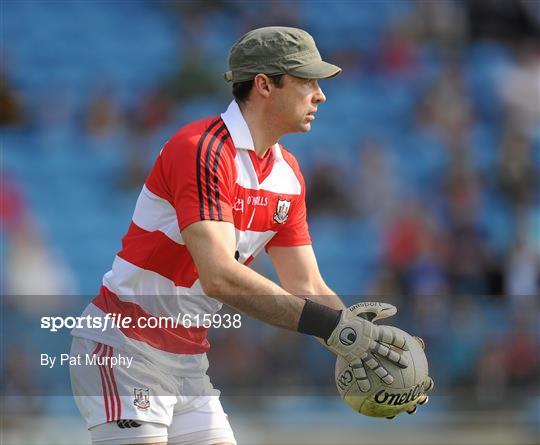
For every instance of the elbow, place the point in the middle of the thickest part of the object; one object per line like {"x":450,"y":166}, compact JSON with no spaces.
{"x":215,"y":282}
{"x":303,"y":290}
{"x":307,"y":288}
{"x":210,"y":286}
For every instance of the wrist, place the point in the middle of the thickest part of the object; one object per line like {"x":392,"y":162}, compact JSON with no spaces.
{"x":318,"y":320}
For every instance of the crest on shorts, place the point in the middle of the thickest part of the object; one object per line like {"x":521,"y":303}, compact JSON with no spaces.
{"x":142,"y":398}
{"x":282,"y":210}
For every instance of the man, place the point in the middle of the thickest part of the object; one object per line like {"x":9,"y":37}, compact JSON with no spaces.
{"x":221,"y":190}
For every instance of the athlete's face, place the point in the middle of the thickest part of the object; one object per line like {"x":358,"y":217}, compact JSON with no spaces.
{"x":295,"y":104}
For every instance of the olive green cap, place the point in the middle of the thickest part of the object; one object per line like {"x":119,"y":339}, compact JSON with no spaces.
{"x":277,"y":50}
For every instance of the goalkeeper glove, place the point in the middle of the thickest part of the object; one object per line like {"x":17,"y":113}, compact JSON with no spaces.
{"x":357,"y":340}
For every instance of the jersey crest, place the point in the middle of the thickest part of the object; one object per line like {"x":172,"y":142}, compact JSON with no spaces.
{"x":142,"y":398}
{"x":282,"y":210}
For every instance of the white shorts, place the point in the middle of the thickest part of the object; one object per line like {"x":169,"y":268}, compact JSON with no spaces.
{"x":140,"y":403}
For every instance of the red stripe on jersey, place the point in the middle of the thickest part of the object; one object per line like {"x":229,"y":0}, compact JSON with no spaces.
{"x":98,"y":347}
{"x":104,"y":384}
{"x":155,"y":182}
{"x":115,"y":388}
{"x":177,"y":340}
{"x":102,"y":378}
{"x":156,"y":252}
{"x":104,"y":354}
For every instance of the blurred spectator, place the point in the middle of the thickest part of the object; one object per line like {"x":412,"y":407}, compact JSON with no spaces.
{"x":398,"y":51}
{"x":447,"y":108}
{"x":508,"y":360}
{"x":194,"y":20}
{"x":521,"y":359}
{"x":152,"y":111}
{"x":103,"y":115}
{"x":440,"y":22}
{"x":137,"y":163}
{"x":327,"y":192}
{"x":416,"y":251}
{"x":195,"y":79}
{"x":375,"y":192}
{"x":518,"y":176}
{"x":520,"y":89}
{"x":426,"y":275}
{"x":522,"y":271}
{"x":194,"y":76}
{"x":32,"y":268}
{"x":13,"y":213}
{"x":469,"y":261}
{"x":463,"y":192}
{"x":29,"y":267}
{"x":502,"y":20}
{"x":19,"y":383}
{"x":386,"y":284}
{"x":11,"y":107}
{"x":404,"y":236}
{"x":491,"y":373}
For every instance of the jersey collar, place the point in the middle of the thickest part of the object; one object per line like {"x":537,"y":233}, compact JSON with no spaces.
{"x":239,"y":130}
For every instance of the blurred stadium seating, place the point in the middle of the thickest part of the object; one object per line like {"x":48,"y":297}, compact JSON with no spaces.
{"x":436,"y":154}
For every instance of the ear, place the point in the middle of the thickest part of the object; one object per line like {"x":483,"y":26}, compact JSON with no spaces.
{"x":262,"y":84}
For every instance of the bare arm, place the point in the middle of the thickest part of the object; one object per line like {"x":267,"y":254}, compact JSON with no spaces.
{"x":212,"y":246}
{"x":299,"y":274}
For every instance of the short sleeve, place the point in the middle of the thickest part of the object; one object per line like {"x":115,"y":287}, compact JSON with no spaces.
{"x":199,"y":173}
{"x":295,"y":231}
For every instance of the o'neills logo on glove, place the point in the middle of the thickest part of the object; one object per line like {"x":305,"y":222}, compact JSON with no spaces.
{"x":388,"y":398}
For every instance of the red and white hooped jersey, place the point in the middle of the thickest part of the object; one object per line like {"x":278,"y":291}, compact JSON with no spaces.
{"x":207,"y":171}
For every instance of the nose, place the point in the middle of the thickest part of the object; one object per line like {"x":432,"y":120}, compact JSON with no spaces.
{"x":319,"y":96}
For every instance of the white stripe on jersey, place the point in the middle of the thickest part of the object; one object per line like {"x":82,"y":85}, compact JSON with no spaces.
{"x":155,"y":213}
{"x":156,"y":294}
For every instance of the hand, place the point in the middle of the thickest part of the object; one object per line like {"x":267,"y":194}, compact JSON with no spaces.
{"x":428,"y":385}
{"x":357,"y":339}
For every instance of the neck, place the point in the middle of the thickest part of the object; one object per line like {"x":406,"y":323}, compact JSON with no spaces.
{"x":263,"y":134}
